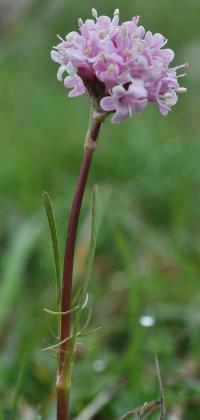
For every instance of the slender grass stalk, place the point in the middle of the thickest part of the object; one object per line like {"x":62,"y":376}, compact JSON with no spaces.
{"x":64,"y":370}
{"x":162,"y":399}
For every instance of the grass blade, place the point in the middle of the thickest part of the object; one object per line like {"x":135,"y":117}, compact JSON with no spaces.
{"x":22,"y":244}
{"x":162,"y":400}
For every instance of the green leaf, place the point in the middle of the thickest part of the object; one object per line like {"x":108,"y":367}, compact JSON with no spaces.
{"x":48,"y":311}
{"x":87,"y":321}
{"x":76,"y":295}
{"x":93,"y":241}
{"x":50,"y":328}
{"x":18,"y":387}
{"x":84,"y":290}
{"x":54,"y":238}
{"x":86,"y":333}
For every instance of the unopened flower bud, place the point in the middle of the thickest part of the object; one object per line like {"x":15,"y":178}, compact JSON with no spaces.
{"x":94,"y":13}
{"x":80,"y":22}
{"x":181,"y":90}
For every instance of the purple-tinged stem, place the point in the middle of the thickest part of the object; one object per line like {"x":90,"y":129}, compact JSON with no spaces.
{"x":63,"y":375}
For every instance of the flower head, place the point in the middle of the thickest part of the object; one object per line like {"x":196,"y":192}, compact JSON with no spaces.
{"x":122,"y":67}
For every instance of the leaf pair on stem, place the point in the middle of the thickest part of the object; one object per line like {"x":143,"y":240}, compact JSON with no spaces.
{"x":80,"y":298}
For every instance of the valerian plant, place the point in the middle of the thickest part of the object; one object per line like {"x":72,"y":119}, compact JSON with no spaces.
{"x":121,"y":68}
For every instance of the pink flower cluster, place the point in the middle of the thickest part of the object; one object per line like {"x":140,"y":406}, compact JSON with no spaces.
{"x":121,"y":66}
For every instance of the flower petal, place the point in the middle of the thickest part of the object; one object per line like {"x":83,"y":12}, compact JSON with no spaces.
{"x":122,"y":112}
{"x":76,"y":83}
{"x":108,"y":103}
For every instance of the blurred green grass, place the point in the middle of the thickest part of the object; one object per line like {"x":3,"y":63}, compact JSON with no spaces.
{"x":147,"y":259}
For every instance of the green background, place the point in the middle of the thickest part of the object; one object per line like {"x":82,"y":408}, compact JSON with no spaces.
{"x":147,"y":258}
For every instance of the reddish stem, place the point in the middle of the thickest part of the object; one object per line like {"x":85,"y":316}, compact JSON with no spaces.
{"x":62,"y":388}
{"x":62,"y":404}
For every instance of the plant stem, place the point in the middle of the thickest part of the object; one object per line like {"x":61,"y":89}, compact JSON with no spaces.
{"x":64,"y":369}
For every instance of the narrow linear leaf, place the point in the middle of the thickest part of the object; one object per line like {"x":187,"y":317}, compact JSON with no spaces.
{"x":18,"y":387}
{"x":48,"y":311}
{"x":93,"y":331}
{"x":87,"y":321}
{"x":57,"y":345}
{"x":76,"y":295}
{"x":50,"y":328}
{"x":54,"y":238}
{"x":85,"y":302}
{"x":93,"y":241}
{"x":84,"y":289}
